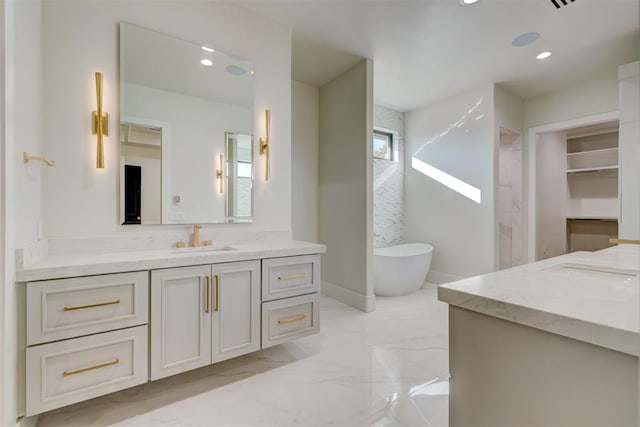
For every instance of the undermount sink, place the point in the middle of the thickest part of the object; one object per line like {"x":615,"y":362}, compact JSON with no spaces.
{"x":607,"y":274}
{"x":204,"y":249}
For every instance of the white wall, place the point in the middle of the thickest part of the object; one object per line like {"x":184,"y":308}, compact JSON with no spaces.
{"x":596,"y":96}
{"x":195,"y":141}
{"x":304,"y":161}
{"x":551,"y":197}
{"x":346,"y":196}
{"x":21,"y":188}
{"x":81,"y":37}
{"x":629,"y":143}
{"x":7,"y":275}
{"x":28,"y":120}
{"x":456,"y":136}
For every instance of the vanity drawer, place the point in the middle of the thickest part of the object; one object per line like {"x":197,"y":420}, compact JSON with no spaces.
{"x":290,"y":318}
{"x":70,"y":371}
{"x":290,"y":276}
{"x":68,"y":308}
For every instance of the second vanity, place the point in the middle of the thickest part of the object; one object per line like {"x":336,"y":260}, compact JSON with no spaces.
{"x":98,"y":323}
{"x":552,"y":343}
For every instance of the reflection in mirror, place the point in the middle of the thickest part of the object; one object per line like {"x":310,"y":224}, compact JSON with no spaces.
{"x":141,"y":157}
{"x":239,"y":201}
{"x":185,"y":97}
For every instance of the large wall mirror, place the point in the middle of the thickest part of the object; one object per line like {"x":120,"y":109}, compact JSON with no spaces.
{"x":182,"y":107}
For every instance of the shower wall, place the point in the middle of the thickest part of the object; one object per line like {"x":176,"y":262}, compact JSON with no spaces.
{"x":388,"y":183}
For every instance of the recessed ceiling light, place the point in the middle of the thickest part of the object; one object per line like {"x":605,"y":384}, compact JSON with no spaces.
{"x":207,"y":49}
{"x":525,"y":39}
{"x":466,"y":2}
{"x":207,"y":62}
{"x":544,"y":55}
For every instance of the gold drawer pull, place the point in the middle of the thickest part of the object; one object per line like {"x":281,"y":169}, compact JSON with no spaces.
{"x":207,"y":303}
{"x":627,"y":241}
{"x":292,"y":319}
{"x":100,"y":304}
{"x":217,"y":290}
{"x":90,"y":368}
{"x":293,"y":276}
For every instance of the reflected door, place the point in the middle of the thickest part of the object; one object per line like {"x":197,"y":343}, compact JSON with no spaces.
{"x":132,"y":193}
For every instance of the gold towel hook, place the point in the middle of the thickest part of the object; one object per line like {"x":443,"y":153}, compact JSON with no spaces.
{"x":26,"y":158}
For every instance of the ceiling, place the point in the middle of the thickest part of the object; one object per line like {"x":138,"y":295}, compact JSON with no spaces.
{"x":425,"y":50}
{"x":159,"y":61}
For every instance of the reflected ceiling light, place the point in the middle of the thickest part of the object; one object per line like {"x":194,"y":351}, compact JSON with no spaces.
{"x":543,"y":55}
{"x":466,"y":2}
{"x":207,"y":49}
{"x":236,"y":70}
{"x":206,"y":62}
{"x":525,"y":39}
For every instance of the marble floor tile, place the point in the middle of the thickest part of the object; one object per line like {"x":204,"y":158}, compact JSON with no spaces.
{"x":386,"y":368}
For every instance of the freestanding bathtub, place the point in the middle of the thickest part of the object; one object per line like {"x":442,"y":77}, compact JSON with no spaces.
{"x":401,"y":269}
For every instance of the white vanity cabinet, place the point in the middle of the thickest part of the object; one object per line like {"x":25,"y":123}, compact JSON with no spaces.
{"x":202,"y":315}
{"x":180,"y":320}
{"x":108,"y":322}
{"x":86,"y":337}
{"x":290,"y":298}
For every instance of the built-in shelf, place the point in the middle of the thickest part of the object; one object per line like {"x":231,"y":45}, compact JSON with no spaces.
{"x":593,"y":169}
{"x":594,"y":152}
{"x":600,"y":158}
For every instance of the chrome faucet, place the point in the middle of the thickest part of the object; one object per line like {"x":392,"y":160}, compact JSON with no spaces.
{"x":196,"y":236}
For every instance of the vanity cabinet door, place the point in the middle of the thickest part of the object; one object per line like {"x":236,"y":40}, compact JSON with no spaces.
{"x":180,"y":320}
{"x":236,"y":309}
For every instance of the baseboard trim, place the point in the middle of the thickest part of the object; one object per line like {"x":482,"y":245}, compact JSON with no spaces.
{"x":28,"y":421}
{"x":440,"y":278}
{"x":361,"y":302}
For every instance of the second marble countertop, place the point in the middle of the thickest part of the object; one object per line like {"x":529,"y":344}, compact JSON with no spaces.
{"x":595,"y":306}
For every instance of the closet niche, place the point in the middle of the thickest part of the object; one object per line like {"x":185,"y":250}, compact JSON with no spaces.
{"x":577,"y":185}
{"x":592,"y":188}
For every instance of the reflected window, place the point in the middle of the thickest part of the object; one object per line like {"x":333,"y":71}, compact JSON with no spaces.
{"x":244,"y":169}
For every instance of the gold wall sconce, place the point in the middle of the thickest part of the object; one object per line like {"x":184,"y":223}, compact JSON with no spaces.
{"x":219,"y":174}
{"x":99,"y":123}
{"x":264,"y":145}
{"x":26,"y":158}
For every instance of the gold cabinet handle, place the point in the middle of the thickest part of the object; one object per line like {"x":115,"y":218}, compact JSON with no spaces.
{"x":292,"y":319}
{"x":90,"y":368}
{"x":293,"y":276}
{"x":207,"y":297}
{"x":217,"y":306}
{"x":100,"y":304}
{"x":627,"y":241}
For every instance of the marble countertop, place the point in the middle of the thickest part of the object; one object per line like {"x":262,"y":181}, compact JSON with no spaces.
{"x":588,"y":296}
{"x":84,"y":264}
